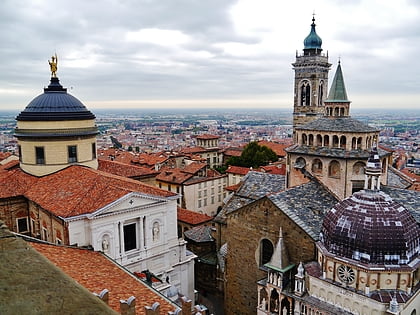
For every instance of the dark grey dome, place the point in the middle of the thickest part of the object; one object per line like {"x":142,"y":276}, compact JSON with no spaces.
{"x":55,"y":104}
{"x":372,"y":228}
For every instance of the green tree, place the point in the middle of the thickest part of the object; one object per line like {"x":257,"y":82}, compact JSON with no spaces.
{"x":254,"y":156}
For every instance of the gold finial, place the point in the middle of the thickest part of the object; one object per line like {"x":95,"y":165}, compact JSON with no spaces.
{"x":53,"y":66}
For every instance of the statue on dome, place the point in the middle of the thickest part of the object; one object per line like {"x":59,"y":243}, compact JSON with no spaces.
{"x":53,"y":66}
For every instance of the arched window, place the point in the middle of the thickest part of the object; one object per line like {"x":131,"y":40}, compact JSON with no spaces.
{"x":359,"y":142}
{"x":266,"y":251}
{"x":335,"y":142}
{"x":317,"y":166}
{"x":334,"y":169}
{"x":318,"y":140}
{"x":274,"y":301}
{"x":320,"y":92}
{"x":342,"y":111}
{"x":311,"y":140}
{"x":263,"y":299}
{"x":353,"y":143}
{"x":326,"y":141}
{"x":336,"y":109}
{"x":304,"y":139}
{"x":343,"y":141}
{"x":305,"y":94}
{"x":359,"y":168}
{"x":300,"y":162}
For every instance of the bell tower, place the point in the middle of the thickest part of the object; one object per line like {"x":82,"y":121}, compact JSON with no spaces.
{"x":311,"y":80}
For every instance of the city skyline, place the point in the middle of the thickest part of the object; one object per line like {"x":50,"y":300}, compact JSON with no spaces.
{"x":216,"y":54}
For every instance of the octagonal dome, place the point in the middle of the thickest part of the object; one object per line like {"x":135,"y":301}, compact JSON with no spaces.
{"x":372,"y":228}
{"x":55,"y":104}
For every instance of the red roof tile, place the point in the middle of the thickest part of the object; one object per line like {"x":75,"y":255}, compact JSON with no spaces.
{"x":173,"y":175}
{"x":194,"y":167}
{"x":192,"y":217}
{"x":96,"y":272}
{"x":74,"y":190}
{"x":238,"y":170}
{"x":275,"y":169}
{"x":123,"y":169}
{"x":276,"y":147}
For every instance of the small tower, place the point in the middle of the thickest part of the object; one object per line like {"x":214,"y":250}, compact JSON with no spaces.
{"x":300,"y":280}
{"x":373,"y":171}
{"x":55,"y":130}
{"x":311,"y":80}
{"x":337,"y":103}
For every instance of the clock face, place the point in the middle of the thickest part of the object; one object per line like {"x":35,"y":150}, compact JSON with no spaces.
{"x":346,"y":274}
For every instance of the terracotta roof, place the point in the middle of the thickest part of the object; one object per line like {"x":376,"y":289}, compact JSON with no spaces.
{"x":96,"y":272}
{"x":4,"y":155}
{"x":192,"y":217}
{"x":193,"y":150}
{"x":150,"y":159}
{"x":123,"y":169}
{"x":238,"y":170}
{"x":116,"y":155}
{"x":173,"y":175}
{"x":207,"y":137}
{"x":410,"y":174}
{"x":233,"y":151}
{"x":74,"y":190}
{"x":274,"y":169}
{"x":194,"y":167}
{"x":233,"y":187}
{"x":276,"y":147}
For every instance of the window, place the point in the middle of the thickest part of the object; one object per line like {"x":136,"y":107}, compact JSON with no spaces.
{"x":130,"y":237}
{"x":44,"y":234}
{"x":58,"y":241}
{"x":305,"y":94}
{"x":22,"y":225}
{"x":72,"y":153}
{"x":40,"y":155}
{"x":320,"y":92}
{"x":20,"y":153}
{"x":93,"y":150}
{"x":205,"y":202}
{"x":266,"y":251}
{"x":212,"y":200}
{"x":199,"y":203}
{"x":219,"y":198}
{"x":160,"y":185}
{"x":169,"y":187}
{"x":334,"y":169}
{"x":317,"y":166}
{"x":199,"y":194}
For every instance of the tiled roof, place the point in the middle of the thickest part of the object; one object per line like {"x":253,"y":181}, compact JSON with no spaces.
{"x":276,"y":147}
{"x":116,"y":155}
{"x":4,"y":155}
{"x":233,"y":187}
{"x":233,"y":151}
{"x":240,"y":170}
{"x":173,"y":175}
{"x":74,"y":190}
{"x":199,"y":234}
{"x":207,"y":137}
{"x":333,"y":152}
{"x":194,"y":167}
{"x":255,"y":185}
{"x":30,"y":284}
{"x":410,"y":199}
{"x":150,"y":159}
{"x":193,"y":150}
{"x":96,"y":272}
{"x":306,"y":205}
{"x":338,"y":124}
{"x":397,"y":179}
{"x":192,"y":217}
{"x":123,"y":169}
{"x":274,"y":169}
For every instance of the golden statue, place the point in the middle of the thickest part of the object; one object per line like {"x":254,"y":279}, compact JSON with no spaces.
{"x":53,"y":66}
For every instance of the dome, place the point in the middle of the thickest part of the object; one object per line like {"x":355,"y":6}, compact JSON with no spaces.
{"x":313,"y":41}
{"x":371,"y":228}
{"x":55,"y":105}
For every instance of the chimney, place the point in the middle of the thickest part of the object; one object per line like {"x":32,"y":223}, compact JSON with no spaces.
{"x":153,"y":310}
{"x":186,"y":306}
{"x":128,"y":307}
{"x":103,"y":295}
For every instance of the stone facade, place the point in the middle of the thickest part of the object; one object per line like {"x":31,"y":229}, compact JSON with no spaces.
{"x":243,"y":262}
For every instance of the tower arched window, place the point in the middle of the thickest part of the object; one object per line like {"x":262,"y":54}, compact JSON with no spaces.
{"x":304,"y":139}
{"x":353,"y":143}
{"x":343,"y":142}
{"x":326,"y":141}
{"x":320,"y":93}
{"x":305,"y":94}
{"x":318,"y":140}
{"x":317,"y":166}
{"x":359,"y":142}
{"x":311,"y":139}
{"x":266,"y":251}
{"x":335,"y":141}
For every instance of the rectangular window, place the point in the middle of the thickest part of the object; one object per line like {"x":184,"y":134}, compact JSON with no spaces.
{"x":169,"y":187}
{"x":39,"y":155}
{"x":130,"y":237}
{"x":44,"y":234}
{"x":160,"y":185}
{"x":212,"y":190}
{"x":205,"y":202}
{"x":20,"y":153}
{"x":177,"y":189}
{"x":199,"y":194}
{"x":212,"y":200}
{"x":199,"y":203}
{"x":205,"y":193}
{"x":72,"y":153}
{"x":94,"y":150}
{"x":22,"y":225}
{"x":220,"y":198}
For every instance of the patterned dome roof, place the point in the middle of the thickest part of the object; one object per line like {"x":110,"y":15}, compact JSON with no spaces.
{"x":372,"y":228}
{"x":313,"y":41}
{"x":55,"y":104}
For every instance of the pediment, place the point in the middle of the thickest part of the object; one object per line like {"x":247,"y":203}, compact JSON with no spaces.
{"x":129,"y":202}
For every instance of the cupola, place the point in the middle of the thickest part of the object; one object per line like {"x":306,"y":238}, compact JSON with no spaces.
{"x":312,"y":42}
{"x":55,"y":130}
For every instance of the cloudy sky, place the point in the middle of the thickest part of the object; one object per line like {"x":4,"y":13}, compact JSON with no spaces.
{"x":206,"y":53}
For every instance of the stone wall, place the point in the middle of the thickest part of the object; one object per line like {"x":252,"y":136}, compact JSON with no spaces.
{"x":245,"y":230}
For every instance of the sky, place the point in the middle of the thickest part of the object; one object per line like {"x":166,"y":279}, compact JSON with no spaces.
{"x":206,"y":53}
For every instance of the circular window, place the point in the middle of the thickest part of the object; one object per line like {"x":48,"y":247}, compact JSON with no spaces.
{"x":346,"y":274}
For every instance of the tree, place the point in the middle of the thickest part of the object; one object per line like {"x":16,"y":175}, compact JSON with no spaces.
{"x":254,"y":156}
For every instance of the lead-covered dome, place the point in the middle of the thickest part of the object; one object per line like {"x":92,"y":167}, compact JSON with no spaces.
{"x":372,"y":228}
{"x":313,"y":41}
{"x":55,"y":104}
